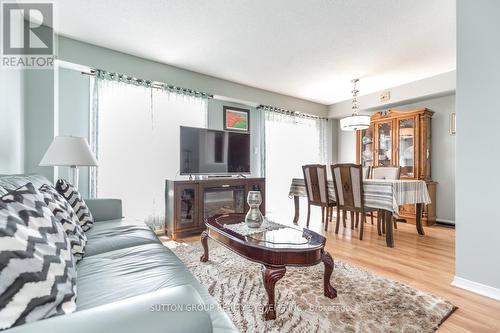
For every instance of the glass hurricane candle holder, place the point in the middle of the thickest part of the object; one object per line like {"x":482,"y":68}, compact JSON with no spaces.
{"x":254,"y":217}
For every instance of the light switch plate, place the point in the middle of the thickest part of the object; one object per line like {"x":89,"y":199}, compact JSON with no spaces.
{"x":385,"y":96}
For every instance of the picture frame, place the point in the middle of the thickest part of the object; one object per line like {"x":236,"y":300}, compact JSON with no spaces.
{"x":236,"y":119}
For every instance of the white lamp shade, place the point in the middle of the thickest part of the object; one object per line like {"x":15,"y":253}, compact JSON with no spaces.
{"x":68,"y":151}
{"x":355,"y":123}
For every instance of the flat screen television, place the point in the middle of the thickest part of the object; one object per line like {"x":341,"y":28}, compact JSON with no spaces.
{"x":212,"y":152}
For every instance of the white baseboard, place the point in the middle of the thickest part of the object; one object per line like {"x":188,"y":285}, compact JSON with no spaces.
{"x":445,"y":221}
{"x":476,"y":287}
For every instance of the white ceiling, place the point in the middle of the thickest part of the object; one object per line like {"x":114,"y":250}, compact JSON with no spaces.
{"x":306,"y":49}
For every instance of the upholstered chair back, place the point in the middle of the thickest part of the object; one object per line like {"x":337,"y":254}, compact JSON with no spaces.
{"x":386,"y":172}
{"x":316,"y":181}
{"x":348,"y":183}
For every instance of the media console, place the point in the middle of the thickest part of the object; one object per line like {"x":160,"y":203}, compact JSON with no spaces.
{"x":189,"y":202}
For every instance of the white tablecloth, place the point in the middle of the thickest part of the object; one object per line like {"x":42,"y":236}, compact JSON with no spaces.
{"x":379,"y":193}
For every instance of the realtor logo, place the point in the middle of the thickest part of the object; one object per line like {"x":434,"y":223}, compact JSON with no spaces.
{"x":27,"y":35}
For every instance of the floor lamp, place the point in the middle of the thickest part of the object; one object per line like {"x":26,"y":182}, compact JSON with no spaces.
{"x":69,"y":151}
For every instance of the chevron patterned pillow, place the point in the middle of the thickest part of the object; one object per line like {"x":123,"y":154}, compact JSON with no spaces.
{"x":71,"y":194}
{"x":65,"y":214}
{"x":37,"y":269}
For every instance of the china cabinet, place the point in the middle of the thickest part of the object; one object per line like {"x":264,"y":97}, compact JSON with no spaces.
{"x":401,"y":138}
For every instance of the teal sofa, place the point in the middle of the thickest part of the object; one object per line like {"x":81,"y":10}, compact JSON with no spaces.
{"x":128,"y":280}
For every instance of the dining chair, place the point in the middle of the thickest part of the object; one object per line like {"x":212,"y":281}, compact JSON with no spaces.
{"x":348,"y":184}
{"x":316,"y":181}
{"x":386,"y":172}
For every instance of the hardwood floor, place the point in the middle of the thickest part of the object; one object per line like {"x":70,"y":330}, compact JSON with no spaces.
{"x":425,"y":262}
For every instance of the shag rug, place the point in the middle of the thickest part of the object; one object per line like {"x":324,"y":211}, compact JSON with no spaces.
{"x":365,"y":302}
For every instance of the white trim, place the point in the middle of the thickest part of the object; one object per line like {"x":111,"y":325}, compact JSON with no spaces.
{"x":445,"y":220}
{"x":476,"y":287}
{"x":72,"y":66}
{"x":235,"y":100}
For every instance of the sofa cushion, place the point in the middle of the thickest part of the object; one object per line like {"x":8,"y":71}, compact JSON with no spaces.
{"x":113,"y":235}
{"x":124,"y":273}
{"x":37,"y":269}
{"x":64,"y":213}
{"x":12,"y":182}
{"x":71,"y":194}
{"x":105,"y":209}
{"x":169,"y":310}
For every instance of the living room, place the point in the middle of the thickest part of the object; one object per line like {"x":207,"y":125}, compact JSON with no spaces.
{"x":278,"y":166}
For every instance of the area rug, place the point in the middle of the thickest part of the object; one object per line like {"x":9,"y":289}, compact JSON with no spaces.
{"x":365,"y":302}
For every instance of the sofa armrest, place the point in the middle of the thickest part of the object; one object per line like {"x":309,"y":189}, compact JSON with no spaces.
{"x":105,"y":209}
{"x":144,"y":313}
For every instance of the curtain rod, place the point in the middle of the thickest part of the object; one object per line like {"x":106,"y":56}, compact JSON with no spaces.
{"x":289,"y":112}
{"x":146,"y":83}
{"x":185,"y":91}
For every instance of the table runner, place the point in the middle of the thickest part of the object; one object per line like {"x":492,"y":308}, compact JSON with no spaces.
{"x":379,"y":193}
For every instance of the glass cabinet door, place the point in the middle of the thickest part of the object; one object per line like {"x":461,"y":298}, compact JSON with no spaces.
{"x":384,"y":149}
{"x":367,"y":147}
{"x":187,"y":213}
{"x":406,"y":153}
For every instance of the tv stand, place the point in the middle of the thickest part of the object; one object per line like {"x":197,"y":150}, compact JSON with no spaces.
{"x":189,"y":202}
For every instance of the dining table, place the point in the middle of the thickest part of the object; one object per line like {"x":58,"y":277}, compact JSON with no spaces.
{"x":384,"y":194}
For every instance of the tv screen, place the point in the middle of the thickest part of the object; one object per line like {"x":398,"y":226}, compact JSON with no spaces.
{"x":207,"y":151}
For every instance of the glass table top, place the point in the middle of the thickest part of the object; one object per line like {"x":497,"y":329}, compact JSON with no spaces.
{"x":277,"y":236}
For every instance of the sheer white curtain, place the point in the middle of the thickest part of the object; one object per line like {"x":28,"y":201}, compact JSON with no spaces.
{"x":290,"y":142}
{"x":138,"y":144}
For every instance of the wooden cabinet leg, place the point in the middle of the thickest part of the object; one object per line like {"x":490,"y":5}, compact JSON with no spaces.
{"x":204,"y":243}
{"x":271,"y":275}
{"x":327,"y":259}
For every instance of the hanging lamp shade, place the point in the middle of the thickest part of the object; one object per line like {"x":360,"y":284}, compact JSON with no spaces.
{"x":355,"y":122}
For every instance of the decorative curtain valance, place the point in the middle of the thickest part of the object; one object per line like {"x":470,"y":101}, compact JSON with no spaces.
{"x":288,"y":112}
{"x":118,"y":77}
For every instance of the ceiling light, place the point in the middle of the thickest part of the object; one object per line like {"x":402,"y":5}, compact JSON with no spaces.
{"x":355,"y":122}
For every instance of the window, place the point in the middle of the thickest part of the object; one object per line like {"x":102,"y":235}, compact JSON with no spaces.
{"x":138,"y":144}
{"x":290,"y":142}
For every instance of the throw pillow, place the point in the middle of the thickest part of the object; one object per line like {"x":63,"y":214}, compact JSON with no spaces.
{"x":37,"y":269}
{"x":65,"y":214}
{"x":71,"y":194}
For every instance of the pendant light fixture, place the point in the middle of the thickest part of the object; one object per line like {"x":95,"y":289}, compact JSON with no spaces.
{"x":355,"y":122}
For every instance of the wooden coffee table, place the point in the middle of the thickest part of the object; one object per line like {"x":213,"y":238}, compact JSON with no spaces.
{"x":274,"y":249}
